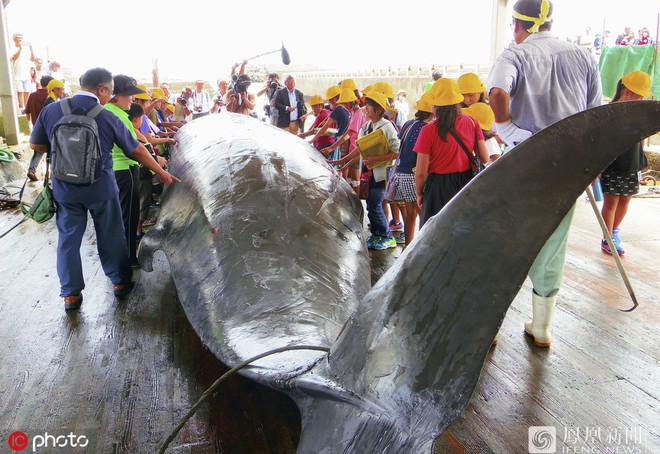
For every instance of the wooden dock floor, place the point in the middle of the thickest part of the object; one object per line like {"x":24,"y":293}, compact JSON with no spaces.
{"x":122,"y":374}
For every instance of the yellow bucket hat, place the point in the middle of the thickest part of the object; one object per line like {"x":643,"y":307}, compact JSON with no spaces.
{"x":384,"y":88}
{"x":348,"y":83}
{"x":637,"y":81}
{"x":424,"y":104}
{"x":379,"y":98}
{"x":367,"y":89}
{"x":445,"y":92}
{"x":332,"y":92}
{"x":347,"y":95}
{"x":170,"y":107}
{"x":470,"y":83}
{"x":53,"y":84}
{"x":158,"y":93}
{"x":315,"y":100}
{"x":481,"y":112}
{"x":144,"y":95}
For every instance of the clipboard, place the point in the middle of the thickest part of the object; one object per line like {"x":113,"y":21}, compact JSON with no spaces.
{"x":373,"y":144}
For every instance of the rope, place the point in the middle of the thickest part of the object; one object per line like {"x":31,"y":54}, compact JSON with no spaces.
{"x":224,"y":377}
{"x":12,"y":228}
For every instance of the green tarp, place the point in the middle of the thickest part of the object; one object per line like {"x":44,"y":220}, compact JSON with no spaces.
{"x":616,"y":62}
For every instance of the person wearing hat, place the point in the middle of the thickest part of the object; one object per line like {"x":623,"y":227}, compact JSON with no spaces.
{"x":127,"y":170}
{"x":321,"y":114}
{"x":290,"y":105}
{"x":484,"y":116}
{"x":100,"y":199}
{"x":55,"y":90}
{"x":242,"y":101}
{"x":443,"y":167}
{"x":201,"y":101}
{"x":532,"y":85}
{"x":471,"y":88}
{"x":375,"y":105}
{"x":340,"y":118}
{"x":621,"y":178}
{"x":404,"y":178}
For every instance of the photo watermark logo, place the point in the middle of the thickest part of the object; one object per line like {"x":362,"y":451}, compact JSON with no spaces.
{"x":18,"y":441}
{"x":542,"y":439}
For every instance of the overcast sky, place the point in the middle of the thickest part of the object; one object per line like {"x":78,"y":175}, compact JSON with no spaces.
{"x":199,"y":39}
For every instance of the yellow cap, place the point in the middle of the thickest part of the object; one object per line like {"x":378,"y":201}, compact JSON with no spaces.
{"x":348,"y":83}
{"x":637,"y":81}
{"x":332,"y":92}
{"x":347,"y":95}
{"x":315,"y":100}
{"x":53,"y":84}
{"x":380,"y":98}
{"x":367,"y":89}
{"x":470,"y":83}
{"x":445,"y":92}
{"x":384,"y":88}
{"x":158,"y":93}
{"x":170,"y":107}
{"x":481,"y":112}
{"x":424,"y":104}
{"x":144,"y":95}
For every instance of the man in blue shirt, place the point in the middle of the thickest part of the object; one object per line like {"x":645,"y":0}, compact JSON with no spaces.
{"x":533,"y":84}
{"x":100,"y":199}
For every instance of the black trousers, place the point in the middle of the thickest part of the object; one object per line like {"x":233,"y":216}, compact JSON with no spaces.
{"x":129,"y":200}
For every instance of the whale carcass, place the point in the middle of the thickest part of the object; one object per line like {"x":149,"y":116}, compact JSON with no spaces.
{"x":266,"y":247}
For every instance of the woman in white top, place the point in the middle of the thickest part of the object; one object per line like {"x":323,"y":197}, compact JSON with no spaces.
{"x":375,"y":105}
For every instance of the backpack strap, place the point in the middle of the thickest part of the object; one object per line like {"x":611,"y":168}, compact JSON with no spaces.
{"x":94,"y":111}
{"x":66,"y":107}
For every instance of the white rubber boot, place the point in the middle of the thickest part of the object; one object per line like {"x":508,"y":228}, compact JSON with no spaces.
{"x":539,"y":326}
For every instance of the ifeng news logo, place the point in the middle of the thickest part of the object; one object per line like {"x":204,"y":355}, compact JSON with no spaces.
{"x":542,"y":439}
{"x":18,"y":441}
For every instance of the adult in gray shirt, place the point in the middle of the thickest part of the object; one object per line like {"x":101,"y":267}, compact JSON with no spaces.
{"x":534,"y":83}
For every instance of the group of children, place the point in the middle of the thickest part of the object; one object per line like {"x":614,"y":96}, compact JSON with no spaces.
{"x":347,"y":113}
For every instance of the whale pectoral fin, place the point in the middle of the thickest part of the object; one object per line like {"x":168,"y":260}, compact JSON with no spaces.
{"x":417,"y":342}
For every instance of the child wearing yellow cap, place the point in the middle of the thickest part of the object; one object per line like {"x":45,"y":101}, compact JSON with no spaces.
{"x":621,"y":178}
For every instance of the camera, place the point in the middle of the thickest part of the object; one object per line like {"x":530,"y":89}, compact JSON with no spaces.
{"x":183,"y":101}
{"x":274,"y":85}
{"x":241,"y":83}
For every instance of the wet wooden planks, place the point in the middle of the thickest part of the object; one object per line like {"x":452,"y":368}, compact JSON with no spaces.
{"x":123,"y":373}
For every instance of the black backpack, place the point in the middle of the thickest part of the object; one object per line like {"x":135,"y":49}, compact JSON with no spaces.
{"x":75,"y":146}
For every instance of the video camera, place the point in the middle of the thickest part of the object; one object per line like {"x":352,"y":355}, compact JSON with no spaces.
{"x":240,"y":83}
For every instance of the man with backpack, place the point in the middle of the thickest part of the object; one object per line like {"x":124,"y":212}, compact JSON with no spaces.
{"x":79,"y":135}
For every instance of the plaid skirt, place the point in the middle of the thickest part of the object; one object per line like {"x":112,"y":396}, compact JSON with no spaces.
{"x":620,"y":183}
{"x":405,"y":187}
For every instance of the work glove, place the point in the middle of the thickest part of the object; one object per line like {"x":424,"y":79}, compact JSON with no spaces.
{"x":511,"y":134}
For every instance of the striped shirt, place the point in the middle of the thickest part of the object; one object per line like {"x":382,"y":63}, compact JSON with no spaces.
{"x":547,"y":79}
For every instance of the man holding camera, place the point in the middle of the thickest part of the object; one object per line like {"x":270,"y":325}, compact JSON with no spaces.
{"x":290,"y":104}
{"x":219,"y":98}
{"x":238,"y":99}
{"x":270,"y":88}
{"x":201,"y":101}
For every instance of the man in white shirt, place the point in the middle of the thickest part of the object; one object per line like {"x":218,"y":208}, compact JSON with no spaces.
{"x":201,"y":101}
{"x":21,"y":62}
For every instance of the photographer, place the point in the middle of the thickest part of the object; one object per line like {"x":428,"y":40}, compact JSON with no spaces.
{"x":219,"y":98}
{"x":182,"y":110}
{"x":270,"y":87}
{"x":238,"y":100}
{"x":201,"y":101}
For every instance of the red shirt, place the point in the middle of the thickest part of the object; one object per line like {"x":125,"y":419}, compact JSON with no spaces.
{"x":323,"y":141}
{"x":448,"y":156}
